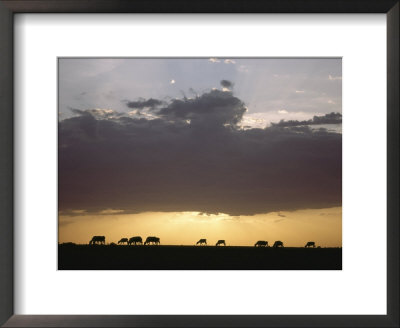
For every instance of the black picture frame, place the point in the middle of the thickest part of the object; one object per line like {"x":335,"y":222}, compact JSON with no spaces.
{"x":10,"y":7}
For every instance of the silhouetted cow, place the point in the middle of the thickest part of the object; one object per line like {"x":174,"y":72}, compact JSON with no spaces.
{"x":220,"y":242}
{"x":278,"y":243}
{"x":98,"y":240}
{"x":123,"y":240}
{"x":135,"y":240}
{"x":310,"y":244}
{"x":202,"y":242}
{"x":152,"y":240}
{"x":261,"y":243}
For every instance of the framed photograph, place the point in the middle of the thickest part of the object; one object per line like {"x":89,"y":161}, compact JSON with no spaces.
{"x":209,"y":164}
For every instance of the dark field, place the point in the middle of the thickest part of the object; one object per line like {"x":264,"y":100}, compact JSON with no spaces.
{"x":100,"y":257}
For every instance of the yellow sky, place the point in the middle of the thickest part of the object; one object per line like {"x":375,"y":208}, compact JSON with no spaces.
{"x":324,"y":226}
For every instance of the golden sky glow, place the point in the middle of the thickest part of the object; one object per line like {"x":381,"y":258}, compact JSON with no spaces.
{"x":324,"y":226}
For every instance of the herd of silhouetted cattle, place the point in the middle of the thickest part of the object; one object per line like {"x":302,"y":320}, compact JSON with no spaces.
{"x":151,"y":240}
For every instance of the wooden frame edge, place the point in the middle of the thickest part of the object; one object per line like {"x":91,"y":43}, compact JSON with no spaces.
{"x":6,"y":164}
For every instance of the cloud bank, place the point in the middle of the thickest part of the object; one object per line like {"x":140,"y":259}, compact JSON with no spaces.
{"x":331,"y":118}
{"x":193,"y":156}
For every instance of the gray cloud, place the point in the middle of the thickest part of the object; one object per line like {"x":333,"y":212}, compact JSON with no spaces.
{"x":226,"y":83}
{"x":142,"y":103}
{"x":193,"y":157}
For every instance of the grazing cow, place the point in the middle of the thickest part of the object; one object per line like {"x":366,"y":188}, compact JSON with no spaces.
{"x":135,"y":240}
{"x":123,"y":240}
{"x":152,"y":240}
{"x":202,"y":242}
{"x":98,"y":240}
{"x":68,"y":244}
{"x":220,"y":242}
{"x":278,"y":243}
{"x":310,"y":244}
{"x":261,"y":243}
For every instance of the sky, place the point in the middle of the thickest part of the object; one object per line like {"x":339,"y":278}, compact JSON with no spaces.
{"x":229,"y":148}
{"x":272,"y":89}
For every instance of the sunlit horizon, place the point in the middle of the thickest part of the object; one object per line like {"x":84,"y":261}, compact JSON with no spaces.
{"x":294,"y":228}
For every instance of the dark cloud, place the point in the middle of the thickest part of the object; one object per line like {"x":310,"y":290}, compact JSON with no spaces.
{"x":226,"y":83}
{"x":331,"y":118}
{"x":193,"y":157}
{"x":96,"y":113}
{"x":214,"y":108}
{"x":142,"y":103}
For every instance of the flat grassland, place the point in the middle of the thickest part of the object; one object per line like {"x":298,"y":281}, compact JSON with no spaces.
{"x":162,"y":257}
